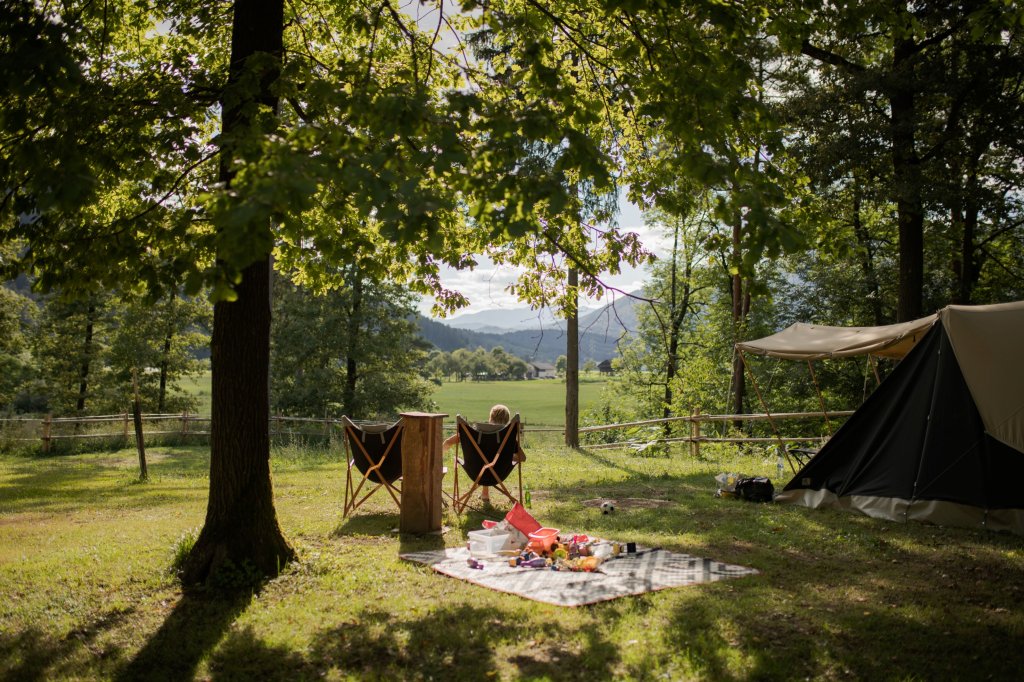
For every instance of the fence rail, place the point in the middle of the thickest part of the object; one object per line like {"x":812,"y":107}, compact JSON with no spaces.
{"x":49,"y":429}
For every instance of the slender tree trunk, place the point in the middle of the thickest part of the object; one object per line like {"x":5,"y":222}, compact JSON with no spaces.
{"x":967,"y":276}
{"x":906,"y":167}
{"x":678,"y":308}
{"x":348,"y":399}
{"x":140,"y":436}
{"x":572,"y":369}
{"x":83,"y":369}
{"x":161,"y":401}
{"x":867,"y":261}
{"x":241,"y":527}
{"x":673,"y":339}
{"x":740,"y":310}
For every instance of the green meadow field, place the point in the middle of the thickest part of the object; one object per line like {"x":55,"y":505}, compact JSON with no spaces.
{"x":539,"y":403}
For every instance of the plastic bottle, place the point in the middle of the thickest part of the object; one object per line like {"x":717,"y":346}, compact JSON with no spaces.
{"x":778,"y":468}
{"x":526,"y":497}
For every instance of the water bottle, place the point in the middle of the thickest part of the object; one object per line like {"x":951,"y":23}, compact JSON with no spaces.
{"x":526,"y":496}
{"x":778,"y":468}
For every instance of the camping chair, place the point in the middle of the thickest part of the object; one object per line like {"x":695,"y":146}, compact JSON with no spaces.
{"x":375,"y":452}
{"x":489,"y":454}
{"x":803,"y":455}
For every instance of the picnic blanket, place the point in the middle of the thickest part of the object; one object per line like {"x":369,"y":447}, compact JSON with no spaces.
{"x":644,"y":571}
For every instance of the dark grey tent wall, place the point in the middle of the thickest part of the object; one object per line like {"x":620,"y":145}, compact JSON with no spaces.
{"x":919,"y":436}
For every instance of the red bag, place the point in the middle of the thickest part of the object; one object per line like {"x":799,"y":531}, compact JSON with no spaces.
{"x":521,"y":520}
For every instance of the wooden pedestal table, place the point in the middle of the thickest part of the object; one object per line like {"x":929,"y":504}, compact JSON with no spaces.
{"x":421,"y":473}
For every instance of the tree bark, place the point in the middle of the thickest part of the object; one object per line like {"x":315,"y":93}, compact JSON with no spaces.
{"x":348,"y":401}
{"x":161,"y":401}
{"x":241,"y":530}
{"x":572,"y":369}
{"x":906,"y":166}
{"x":83,"y":369}
{"x":867,"y":261}
{"x":740,"y":310}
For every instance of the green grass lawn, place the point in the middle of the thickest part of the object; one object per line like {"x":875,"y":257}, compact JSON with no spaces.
{"x":540,"y":402}
{"x":87,"y":593}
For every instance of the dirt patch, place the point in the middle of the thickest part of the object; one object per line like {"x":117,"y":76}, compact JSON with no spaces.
{"x":628,"y":502}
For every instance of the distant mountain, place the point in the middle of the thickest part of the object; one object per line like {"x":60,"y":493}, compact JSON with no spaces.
{"x":614,"y":318}
{"x":600,"y":329}
{"x":504,"y":320}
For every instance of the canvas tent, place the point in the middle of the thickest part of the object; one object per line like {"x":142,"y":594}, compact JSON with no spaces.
{"x":942,"y":438}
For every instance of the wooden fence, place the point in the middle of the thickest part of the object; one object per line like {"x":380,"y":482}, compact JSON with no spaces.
{"x":49,"y":429}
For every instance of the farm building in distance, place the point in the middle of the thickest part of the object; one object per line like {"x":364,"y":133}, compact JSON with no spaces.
{"x":541,"y":370}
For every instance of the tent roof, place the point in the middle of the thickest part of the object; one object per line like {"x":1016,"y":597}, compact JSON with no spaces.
{"x":803,"y":341}
{"x":987,"y":340}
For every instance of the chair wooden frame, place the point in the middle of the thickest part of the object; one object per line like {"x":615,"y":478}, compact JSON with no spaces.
{"x":375,"y":451}
{"x":493,"y":457}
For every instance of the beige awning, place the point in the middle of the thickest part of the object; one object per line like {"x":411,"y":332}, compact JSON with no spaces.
{"x":803,"y":341}
{"x":987,"y":341}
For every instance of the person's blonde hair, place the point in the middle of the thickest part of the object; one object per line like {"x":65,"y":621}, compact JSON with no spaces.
{"x":499,"y":415}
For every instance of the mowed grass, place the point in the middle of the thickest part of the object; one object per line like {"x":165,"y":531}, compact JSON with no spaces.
{"x":540,"y":402}
{"x":87,"y":594}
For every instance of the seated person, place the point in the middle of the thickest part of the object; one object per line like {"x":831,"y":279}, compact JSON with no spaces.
{"x":499,"y":415}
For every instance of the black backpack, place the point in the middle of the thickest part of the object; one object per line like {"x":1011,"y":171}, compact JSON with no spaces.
{"x":755,"y":489}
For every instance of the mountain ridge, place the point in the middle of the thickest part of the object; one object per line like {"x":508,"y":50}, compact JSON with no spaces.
{"x":600,"y":332}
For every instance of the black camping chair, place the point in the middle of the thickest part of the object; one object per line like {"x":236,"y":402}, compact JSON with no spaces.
{"x":489,"y":454}
{"x":803,"y":455}
{"x":375,"y":452}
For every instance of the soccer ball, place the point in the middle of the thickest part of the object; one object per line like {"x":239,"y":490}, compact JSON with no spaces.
{"x":607,"y":507}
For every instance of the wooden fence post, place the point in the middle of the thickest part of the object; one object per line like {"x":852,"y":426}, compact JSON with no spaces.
{"x":46,"y":432}
{"x":695,"y":434}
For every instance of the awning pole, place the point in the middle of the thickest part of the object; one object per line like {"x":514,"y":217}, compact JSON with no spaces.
{"x":874,"y":368}
{"x":821,"y":400}
{"x":771,"y":419}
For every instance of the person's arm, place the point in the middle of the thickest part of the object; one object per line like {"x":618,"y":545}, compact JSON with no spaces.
{"x":450,"y":441}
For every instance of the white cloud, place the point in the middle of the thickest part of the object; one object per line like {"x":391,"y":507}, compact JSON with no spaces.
{"x":485,"y":286}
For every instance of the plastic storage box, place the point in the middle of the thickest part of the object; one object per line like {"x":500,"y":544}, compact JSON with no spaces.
{"x":490,"y":541}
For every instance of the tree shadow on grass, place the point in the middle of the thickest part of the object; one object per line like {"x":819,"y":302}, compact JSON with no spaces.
{"x":454,"y":643}
{"x":33,"y":654}
{"x":189,"y":633}
{"x":369,"y":523}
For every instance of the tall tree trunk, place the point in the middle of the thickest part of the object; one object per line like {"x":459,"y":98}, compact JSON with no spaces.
{"x":967,"y":276}
{"x":241,"y":527}
{"x":83,"y":368}
{"x":867,"y":261}
{"x":740,"y":310}
{"x":572,"y":368}
{"x":678,"y":307}
{"x":165,"y":359}
{"x":906,"y":166}
{"x":348,"y":399}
